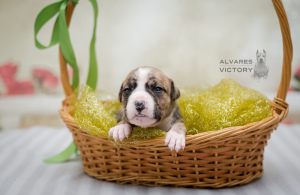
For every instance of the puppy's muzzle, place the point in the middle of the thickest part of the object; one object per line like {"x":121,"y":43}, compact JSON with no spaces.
{"x":139,"y":105}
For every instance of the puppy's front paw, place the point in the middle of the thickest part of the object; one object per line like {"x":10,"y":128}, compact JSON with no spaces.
{"x":175,"y":141}
{"x":120,"y":131}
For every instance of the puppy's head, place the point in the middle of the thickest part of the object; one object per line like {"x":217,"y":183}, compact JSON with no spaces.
{"x":261,"y":56}
{"x":147,"y":95}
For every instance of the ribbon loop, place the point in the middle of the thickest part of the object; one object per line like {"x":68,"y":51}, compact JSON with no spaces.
{"x":60,"y":34}
{"x":43,"y":17}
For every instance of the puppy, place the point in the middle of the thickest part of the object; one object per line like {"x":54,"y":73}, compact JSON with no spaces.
{"x":260,"y":68}
{"x":149,"y":100}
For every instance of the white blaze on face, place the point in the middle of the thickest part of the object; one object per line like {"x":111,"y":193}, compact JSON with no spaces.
{"x":145,"y":118}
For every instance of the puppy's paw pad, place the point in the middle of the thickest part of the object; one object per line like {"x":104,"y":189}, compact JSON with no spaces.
{"x":120,"y":131}
{"x":175,"y":141}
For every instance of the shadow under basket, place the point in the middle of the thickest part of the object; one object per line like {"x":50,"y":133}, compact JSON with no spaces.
{"x":222,"y":158}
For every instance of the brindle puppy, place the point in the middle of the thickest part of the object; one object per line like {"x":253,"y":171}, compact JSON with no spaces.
{"x":149,"y":100}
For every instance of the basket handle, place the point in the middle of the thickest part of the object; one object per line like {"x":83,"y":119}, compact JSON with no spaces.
{"x":64,"y":76}
{"x":287,"y":52}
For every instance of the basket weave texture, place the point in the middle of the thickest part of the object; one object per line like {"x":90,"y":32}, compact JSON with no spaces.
{"x":223,"y":158}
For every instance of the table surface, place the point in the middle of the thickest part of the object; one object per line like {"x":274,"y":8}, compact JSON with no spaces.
{"x":24,"y":172}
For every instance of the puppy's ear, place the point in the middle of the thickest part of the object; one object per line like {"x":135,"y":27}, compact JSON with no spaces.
{"x":256,"y":52}
{"x":175,"y":94}
{"x":120,"y":93}
{"x":264,"y":52}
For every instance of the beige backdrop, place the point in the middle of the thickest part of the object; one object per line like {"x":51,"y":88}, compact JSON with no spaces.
{"x":186,"y":39}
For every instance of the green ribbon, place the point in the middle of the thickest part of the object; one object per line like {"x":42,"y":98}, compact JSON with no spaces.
{"x":64,"y":155}
{"x":93,"y":70}
{"x":60,"y":34}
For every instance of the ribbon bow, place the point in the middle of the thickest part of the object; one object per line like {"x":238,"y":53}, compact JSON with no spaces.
{"x":60,"y":34}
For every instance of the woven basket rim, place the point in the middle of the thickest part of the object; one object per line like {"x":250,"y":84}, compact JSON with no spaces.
{"x":208,"y":137}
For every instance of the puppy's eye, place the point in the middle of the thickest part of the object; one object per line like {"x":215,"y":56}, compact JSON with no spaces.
{"x":127,"y":90}
{"x":158,"y":89}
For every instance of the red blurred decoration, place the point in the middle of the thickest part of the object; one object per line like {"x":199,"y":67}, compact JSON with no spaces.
{"x":295,"y":83}
{"x":297,"y":73}
{"x":13,"y":86}
{"x":46,"y":79}
{"x":287,"y":122}
{"x":70,"y":73}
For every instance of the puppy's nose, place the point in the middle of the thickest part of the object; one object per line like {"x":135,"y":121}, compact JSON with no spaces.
{"x":140,"y":105}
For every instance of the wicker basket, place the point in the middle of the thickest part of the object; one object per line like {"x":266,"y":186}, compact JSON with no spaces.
{"x":223,"y":158}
